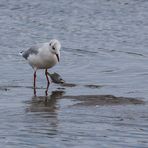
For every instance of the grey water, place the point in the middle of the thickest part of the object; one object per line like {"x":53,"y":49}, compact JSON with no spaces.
{"x":104,"y":55}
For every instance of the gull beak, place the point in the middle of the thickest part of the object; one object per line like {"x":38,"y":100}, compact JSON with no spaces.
{"x":58,"y":57}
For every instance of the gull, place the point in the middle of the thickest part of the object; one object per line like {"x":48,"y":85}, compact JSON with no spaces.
{"x":43,"y":56}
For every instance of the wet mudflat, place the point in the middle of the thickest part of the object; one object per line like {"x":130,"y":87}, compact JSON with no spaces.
{"x":104,"y":101}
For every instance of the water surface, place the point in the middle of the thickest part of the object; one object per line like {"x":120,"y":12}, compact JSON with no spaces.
{"x":104,"y":55}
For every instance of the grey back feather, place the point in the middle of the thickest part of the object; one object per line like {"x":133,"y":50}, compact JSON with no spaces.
{"x":32,"y":50}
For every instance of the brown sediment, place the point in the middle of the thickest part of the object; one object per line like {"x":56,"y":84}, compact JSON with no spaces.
{"x":93,"y":86}
{"x":87,"y":85}
{"x":69,"y":84}
{"x":4,"y":88}
{"x":89,"y":100}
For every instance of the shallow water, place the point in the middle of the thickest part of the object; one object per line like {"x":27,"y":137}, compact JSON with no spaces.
{"x":103,"y":61}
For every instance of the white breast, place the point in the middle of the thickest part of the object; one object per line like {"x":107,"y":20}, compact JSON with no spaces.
{"x":44,"y":59}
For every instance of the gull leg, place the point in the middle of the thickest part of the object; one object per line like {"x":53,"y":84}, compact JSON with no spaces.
{"x":48,"y":82}
{"x":34,"y":83}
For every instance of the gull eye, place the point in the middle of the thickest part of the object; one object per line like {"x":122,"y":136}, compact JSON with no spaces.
{"x":49,"y":44}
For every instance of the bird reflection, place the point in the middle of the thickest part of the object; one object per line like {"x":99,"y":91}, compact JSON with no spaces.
{"x":44,"y":115}
{"x":45,"y":103}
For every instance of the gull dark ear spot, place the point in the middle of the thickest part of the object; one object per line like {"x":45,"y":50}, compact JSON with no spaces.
{"x":53,"y":47}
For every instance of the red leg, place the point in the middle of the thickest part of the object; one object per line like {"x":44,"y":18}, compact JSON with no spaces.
{"x":48,"y":82}
{"x":34,"y":83}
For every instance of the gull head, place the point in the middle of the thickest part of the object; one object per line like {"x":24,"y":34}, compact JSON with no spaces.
{"x":55,"y":46}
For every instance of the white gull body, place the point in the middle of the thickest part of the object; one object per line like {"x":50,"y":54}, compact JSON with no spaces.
{"x":43,"y":56}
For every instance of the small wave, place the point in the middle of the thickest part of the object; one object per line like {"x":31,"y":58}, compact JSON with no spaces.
{"x":81,"y":51}
{"x":125,"y":52}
